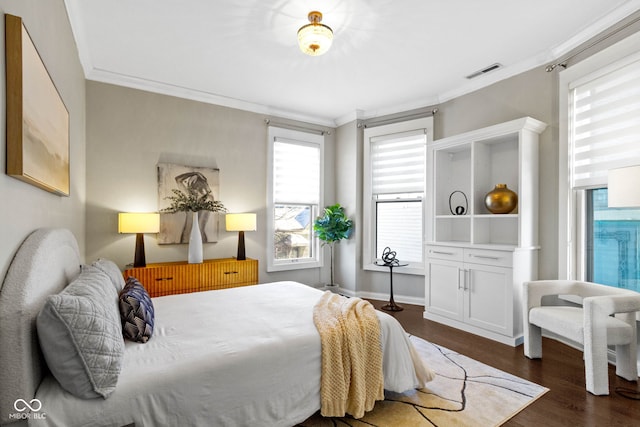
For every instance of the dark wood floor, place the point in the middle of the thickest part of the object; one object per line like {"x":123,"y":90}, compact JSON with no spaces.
{"x":561,"y":370}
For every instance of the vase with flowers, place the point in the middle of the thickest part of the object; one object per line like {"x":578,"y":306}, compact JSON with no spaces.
{"x":198,"y":206}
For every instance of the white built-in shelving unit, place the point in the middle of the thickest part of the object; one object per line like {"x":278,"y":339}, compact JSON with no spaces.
{"x":476,"y":262}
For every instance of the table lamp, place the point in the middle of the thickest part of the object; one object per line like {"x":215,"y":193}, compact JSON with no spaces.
{"x":139,"y":223}
{"x":240,"y":222}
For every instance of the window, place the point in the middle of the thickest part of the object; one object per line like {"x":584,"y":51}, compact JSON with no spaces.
{"x":399,"y":226}
{"x":294,"y":195}
{"x":602,"y":97}
{"x":394,"y":182}
{"x":613,"y":243}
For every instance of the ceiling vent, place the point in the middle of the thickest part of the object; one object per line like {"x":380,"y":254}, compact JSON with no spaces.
{"x":485,"y":70}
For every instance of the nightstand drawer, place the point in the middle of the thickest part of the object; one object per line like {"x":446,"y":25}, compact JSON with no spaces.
{"x":234,"y":273}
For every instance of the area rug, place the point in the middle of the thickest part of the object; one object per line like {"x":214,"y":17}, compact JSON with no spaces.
{"x":465,"y":392}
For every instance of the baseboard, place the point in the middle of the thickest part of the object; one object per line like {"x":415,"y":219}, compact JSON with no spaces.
{"x":397,"y":298}
{"x":402,"y":299}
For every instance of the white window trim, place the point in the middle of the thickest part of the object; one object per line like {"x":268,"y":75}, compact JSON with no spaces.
{"x":305,"y":138}
{"x":571,"y":257}
{"x":369,"y":220}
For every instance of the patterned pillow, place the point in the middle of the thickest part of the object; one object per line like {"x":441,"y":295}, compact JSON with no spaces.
{"x":136,"y":311}
{"x":81,"y":337}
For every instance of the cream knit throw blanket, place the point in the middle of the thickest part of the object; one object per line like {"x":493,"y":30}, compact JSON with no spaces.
{"x":352,"y":377}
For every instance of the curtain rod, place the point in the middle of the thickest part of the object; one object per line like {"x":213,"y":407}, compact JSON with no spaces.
{"x":397,"y":118}
{"x":563,"y":63}
{"x":268,"y":122}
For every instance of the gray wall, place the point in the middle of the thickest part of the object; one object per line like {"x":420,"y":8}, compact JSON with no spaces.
{"x":130,"y":131}
{"x":348,"y":253}
{"x":26,"y":207}
{"x":533,"y":93}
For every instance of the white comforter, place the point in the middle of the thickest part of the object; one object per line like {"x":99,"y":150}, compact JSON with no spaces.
{"x":236,"y":357}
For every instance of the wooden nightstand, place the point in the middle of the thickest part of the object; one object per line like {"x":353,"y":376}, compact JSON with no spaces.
{"x":167,"y":278}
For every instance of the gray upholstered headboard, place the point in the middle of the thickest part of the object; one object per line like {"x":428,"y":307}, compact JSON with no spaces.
{"x":45,"y":263}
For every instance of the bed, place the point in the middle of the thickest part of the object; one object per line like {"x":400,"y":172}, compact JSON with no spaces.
{"x":240,"y":356}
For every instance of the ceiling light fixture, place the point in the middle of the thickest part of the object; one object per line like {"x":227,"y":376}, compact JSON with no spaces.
{"x":315,"y":38}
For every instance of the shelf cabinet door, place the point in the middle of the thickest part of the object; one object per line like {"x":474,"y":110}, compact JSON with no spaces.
{"x":488,"y":298}
{"x":444,"y":288}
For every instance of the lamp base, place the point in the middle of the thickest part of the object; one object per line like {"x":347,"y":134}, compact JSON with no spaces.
{"x":139,"y":259}
{"x":241,"y":254}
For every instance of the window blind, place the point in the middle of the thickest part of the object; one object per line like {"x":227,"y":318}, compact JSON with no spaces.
{"x":398,"y":163}
{"x":400,"y":228}
{"x":296,"y":169}
{"x":604,"y":125}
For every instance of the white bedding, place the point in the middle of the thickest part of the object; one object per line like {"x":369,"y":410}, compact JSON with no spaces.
{"x":236,"y":357}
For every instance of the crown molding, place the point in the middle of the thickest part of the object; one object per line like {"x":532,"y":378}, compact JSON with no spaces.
{"x":147,"y":85}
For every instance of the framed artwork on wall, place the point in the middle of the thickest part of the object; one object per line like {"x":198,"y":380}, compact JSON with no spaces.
{"x":37,"y":119}
{"x":187,"y":180}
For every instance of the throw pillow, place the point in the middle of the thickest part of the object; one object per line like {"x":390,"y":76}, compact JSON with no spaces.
{"x":80,"y":335}
{"x":112,"y":270}
{"x":136,"y":311}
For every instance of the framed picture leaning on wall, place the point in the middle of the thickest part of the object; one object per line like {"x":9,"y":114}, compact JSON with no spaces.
{"x":37,"y":119}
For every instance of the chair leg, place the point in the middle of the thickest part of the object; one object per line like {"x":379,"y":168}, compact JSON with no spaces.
{"x":532,"y":341}
{"x":627,"y":355}
{"x":596,"y":368}
{"x":626,"y":362}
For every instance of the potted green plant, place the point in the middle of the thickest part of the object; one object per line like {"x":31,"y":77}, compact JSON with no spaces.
{"x":194,"y":202}
{"x":332,"y":227}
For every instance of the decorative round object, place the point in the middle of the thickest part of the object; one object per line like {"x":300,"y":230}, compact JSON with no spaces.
{"x":459,"y":199}
{"x":501,"y":200}
{"x":389,"y":257}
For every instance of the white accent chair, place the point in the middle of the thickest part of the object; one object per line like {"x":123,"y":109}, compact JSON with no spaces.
{"x":591,"y":325}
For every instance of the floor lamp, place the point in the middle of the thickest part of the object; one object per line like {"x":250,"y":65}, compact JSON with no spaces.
{"x":240,"y":222}
{"x":139,"y":223}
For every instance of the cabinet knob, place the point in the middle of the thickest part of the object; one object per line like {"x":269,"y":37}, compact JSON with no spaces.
{"x":230,"y":272}
{"x":160,"y":279}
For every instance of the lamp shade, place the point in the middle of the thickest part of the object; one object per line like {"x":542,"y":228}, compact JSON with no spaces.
{"x":624,"y":187}
{"x":240,"y":222}
{"x":138,"y":222}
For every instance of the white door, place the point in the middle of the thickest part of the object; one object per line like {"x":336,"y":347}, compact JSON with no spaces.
{"x":444,"y":288}
{"x":488,"y":297}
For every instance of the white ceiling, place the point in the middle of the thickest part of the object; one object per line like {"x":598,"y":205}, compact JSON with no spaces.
{"x":387,"y":56}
